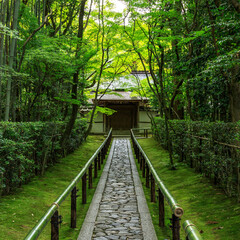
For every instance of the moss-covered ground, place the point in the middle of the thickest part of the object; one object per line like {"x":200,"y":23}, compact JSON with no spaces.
{"x":215,"y":215}
{"x":19,"y":212}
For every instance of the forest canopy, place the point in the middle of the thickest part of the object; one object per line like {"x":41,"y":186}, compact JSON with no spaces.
{"x":53,"y":53}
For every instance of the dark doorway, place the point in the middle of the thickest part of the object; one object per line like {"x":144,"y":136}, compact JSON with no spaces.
{"x":124,"y":119}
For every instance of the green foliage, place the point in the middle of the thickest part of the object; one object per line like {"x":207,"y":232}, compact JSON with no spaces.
{"x":105,"y":110}
{"x":8,"y":32}
{"x":27,"y":149}
{"x":200,"y":42}
{"x":215,"y":214}
{"x":207,"y":147}
{"x":23,"y":208}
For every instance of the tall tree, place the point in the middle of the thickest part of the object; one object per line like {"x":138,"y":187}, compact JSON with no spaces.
{"x":11,"y":57}
{"x":74,"y":93}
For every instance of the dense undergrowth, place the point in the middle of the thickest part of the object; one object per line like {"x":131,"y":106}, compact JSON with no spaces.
{"x":22,"y":210}
{"x":214,"y":214}
{"x":28,"y":148}
{"x":212,"y":148}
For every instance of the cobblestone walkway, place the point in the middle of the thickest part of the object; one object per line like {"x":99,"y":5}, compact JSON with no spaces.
{"x":118,"y":214}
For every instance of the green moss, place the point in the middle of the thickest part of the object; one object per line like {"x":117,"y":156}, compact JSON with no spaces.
{"x":21,"y":210}
{"x":214,"y":214}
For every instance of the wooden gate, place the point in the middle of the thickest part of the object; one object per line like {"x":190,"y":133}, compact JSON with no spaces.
{"x":124,"y":119}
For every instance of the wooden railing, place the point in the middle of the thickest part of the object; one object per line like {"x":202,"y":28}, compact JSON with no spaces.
{"x":52,"y":213}
{"x":143,"y":131}
{"x":153,"y":179}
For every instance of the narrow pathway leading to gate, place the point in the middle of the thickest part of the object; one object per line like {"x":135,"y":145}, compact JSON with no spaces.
{"x":119,"y":209}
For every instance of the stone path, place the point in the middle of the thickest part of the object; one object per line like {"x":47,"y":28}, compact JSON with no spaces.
{"x":119,"y":209}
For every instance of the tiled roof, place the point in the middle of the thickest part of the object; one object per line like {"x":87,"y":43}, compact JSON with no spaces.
{"x":120,"y":95}
{"x":126,"y":82}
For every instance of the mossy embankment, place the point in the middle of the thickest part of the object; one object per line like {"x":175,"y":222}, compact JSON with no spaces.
{"x":21,"y":211}
{"x":214,"y":214}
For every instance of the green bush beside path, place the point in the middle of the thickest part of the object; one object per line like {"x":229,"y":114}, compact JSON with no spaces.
{"x":214,"y":214}
{"x":28,"y":148}
{"x":21,"y":211}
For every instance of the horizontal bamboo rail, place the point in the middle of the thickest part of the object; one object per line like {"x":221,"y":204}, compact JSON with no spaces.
{"x":52,"y":212}
{"x":146,"y":131}
{"x":220,"y":143}
{"x":149,"y":171}
{"x":191,"y":231}
{"x":176,"y":209}
{"x":147,"y":128}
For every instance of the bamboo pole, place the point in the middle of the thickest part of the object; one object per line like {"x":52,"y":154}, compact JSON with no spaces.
{"x":36,"y":231}
{"x":175,"y":207}
{"x":11,"y":59}
{"x":191,"y":231}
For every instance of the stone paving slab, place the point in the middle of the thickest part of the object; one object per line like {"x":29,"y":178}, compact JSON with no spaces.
{"x":117,"y":210}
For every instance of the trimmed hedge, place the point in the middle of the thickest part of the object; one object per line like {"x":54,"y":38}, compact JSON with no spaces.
{"x":212,"y":148}
{"x":28,"y":148}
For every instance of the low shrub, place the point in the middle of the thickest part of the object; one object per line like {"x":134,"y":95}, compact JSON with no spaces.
{"x":212,"y":148}
{"x":28,"y":148}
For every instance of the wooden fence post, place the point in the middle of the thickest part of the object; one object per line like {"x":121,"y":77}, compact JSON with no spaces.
{"x":152,"y":189}
{"x":141,"y":160}
{"x":138,"y":154}
{"x":103,"y":152}
{"x":143,"y":166}
{"x":95,"y":167}
{"x":90,"y":177}
{"x":147,"y":176}
{"x":55,"y":226}
{"x":99,"y":161}
{"x":84,"y":188}
{"x":175,"y":227}
{"x":74,"y":208}
{"x":161,"y":208}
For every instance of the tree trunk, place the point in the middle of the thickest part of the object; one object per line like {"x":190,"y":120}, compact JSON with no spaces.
{"x":44,"y":11}
{"x":166,"y":112}
{"x":73,"y":117}
{"x":234,"y":92}
{"x":177,"y":109}
{"x":11,"y":59}
{"x":95,"y":103}
{"x":2,"y":19}
{"x":236,"y":5}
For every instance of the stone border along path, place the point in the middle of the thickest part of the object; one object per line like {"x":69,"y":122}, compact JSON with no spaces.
{"x":118,"y":209}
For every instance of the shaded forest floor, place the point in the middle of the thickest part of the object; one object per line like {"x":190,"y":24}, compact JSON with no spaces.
{"x":21,"y":211}
{"x":214,"y":214}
